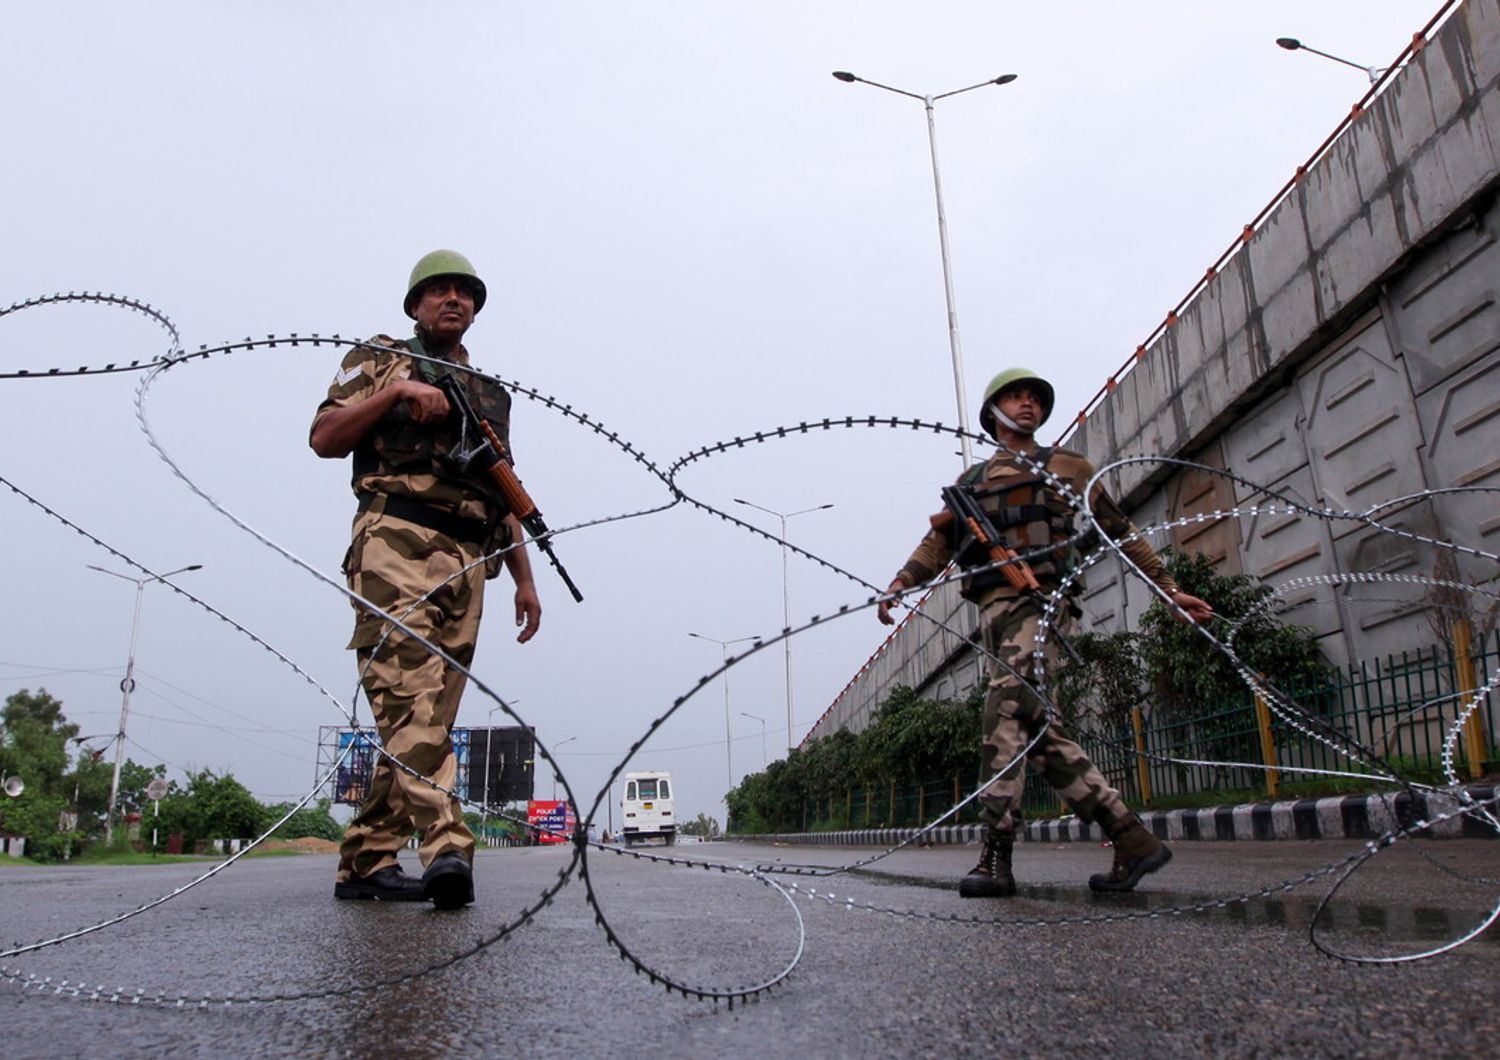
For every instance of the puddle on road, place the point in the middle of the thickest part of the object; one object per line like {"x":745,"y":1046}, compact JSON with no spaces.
{"x":1391,"y":922}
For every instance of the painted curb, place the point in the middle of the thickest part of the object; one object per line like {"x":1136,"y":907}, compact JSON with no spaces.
{"x":1337,"y":817}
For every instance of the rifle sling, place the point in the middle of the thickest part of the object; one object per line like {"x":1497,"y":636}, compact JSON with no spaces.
{"x":1016,"y":514}
{"x":426,"y":369}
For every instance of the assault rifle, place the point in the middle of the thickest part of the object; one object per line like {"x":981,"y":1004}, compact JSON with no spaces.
{"x":487,"y":457}
{"x":962,"y":506}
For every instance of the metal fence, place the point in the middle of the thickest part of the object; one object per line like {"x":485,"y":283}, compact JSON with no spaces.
{"x":1401,"y":707}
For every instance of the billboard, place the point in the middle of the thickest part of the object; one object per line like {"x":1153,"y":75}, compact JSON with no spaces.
{"x":494,"y":764}
{"x":547,"y":813}
{"x":352,"y":782}
{"x":500,"y":765}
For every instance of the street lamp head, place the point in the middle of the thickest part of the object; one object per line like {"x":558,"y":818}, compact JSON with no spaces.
{"x":844,"y":75}
{"x":1004,"y":79}
{"x":1292,"y":44}
{"x":149,"y":578}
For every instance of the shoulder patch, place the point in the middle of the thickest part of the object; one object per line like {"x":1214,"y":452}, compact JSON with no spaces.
{"x":346,"y":374}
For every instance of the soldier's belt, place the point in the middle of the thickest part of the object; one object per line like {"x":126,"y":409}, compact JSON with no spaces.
{"x":458,"y":527}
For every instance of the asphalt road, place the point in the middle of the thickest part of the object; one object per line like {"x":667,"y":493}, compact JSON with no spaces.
{"x":1241,"y":980}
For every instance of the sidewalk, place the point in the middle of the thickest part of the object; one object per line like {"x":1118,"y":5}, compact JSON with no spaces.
{"x":1337,"y":817}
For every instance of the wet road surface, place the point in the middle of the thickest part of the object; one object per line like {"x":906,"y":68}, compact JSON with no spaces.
{"x":1236,"y":980}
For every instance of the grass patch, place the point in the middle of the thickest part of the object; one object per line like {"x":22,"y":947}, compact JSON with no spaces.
{"x":1301,"y":789}
{"x":117,"y":856}
{"x":1320,"y":788}
{"x":131,"y":857}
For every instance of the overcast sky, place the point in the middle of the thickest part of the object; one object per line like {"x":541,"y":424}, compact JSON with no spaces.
{"x":689,"y":230}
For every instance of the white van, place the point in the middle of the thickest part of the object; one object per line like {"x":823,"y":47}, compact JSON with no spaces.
{"x":646,"y":809}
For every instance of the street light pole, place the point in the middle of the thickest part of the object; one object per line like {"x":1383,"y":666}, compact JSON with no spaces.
{"x":489,"y":733}
{"x":484,"y":818}
{"x":555,"y":746}
{"x":757,"y":717}
{"x":728,"y":734}
{"x":1292,"y":44}
{"x":954,"y":346}
{"x":128,"y":683}
{"x":786,"y":599}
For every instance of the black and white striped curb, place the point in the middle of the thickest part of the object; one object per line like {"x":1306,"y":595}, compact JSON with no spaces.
{"x":1337,"y":817}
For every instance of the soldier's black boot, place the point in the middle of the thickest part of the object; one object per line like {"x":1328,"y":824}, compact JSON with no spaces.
{"x":991,"y":878}
{"x":1137,"y":852}
{"x":390,"y":884}
{"x":448,"y":882}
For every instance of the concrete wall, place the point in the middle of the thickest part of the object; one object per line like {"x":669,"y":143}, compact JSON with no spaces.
{"x":1348,"y":355}
{"x":937,"y":660}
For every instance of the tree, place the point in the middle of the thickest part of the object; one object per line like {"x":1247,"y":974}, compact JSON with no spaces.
{"x":36,"y":740}
{"x":1105,"y":686}
{"x":829,"y":763}
{"x":212,"y":807}
{"x":909,"y":738}
{"x":35,"y":749}
{"x":1188,"y":675}
{"x":36,"y":745}
{"x":507,"y":822}
{"x":703,"y":825}
{"x":311,"y":821}
{"x":748,"y":804}
{"x":1171,"y":667}
{"x":134,"y":779}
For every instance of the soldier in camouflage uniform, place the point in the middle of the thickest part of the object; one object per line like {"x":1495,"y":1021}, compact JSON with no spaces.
{"x":1029,"y":511}
{"x":420,"y":537}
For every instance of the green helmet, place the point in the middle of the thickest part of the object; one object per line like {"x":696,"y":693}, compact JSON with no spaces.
{"x":1004,"y":381}
{"x":438,"y":265}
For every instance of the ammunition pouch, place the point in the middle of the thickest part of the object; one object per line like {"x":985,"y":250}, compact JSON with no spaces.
{"x":1030,"y":516}
{"x":398,"y":445}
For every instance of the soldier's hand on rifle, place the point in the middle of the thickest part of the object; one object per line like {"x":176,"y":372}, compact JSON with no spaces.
{"x":337,"y":431}
{"x":427,"y":404}
{"x":883,"y":611}
{"x":1197,"y":609}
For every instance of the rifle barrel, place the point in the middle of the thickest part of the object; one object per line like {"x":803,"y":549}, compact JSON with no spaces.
{"x":517,"y":500}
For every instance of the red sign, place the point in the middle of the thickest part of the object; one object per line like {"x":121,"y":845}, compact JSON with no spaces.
{"x":557,"y":817}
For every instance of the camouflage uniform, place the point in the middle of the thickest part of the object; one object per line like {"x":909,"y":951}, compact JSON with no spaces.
{"x":393,"y":562}
{"x":1013,"y":713}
